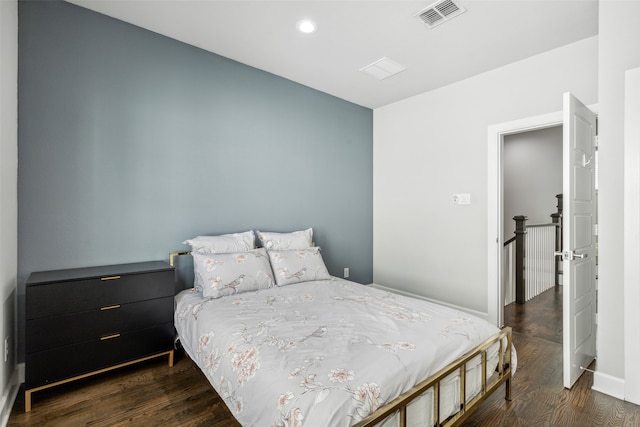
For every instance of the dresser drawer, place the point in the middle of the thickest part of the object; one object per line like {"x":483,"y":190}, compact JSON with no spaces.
{"x":51,"y":299}
{"x":50,"y":332}
{"x":53,"y":365}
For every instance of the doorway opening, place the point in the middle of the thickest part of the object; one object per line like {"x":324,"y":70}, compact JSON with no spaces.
{"x":495,"y":204}
{"x":532,"y":195}
{"x":578,"y":254}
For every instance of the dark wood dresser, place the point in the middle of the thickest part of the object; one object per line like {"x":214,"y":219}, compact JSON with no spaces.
{"x":85,"y":321}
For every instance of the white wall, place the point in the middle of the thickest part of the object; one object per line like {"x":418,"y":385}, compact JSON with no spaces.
{"x":532,"y":165}
{"x":619,"y":28}
{"x":8,"y":197}
{"x":433,"y":145}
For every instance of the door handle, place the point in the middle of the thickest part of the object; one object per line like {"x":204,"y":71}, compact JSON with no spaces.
{"x":564,"y":256}
{"x":570,"y":255}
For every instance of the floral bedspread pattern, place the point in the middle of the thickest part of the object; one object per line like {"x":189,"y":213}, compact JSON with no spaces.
{"x":319,"y":353}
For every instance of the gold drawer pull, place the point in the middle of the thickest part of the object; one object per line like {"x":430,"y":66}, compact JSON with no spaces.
{"x":110,"y":278}
{"x":108,"y":337}
{"x":110,"y":307}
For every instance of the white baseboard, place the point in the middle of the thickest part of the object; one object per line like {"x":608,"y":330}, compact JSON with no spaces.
{"x":607,"y":384}
{"x":484,"y":316}
{"x":10,"y":394}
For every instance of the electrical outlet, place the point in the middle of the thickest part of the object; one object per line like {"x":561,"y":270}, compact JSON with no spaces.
{"x":346,"y":272}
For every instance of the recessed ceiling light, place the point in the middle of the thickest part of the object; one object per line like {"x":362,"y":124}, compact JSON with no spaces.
{"x":307,"y":26}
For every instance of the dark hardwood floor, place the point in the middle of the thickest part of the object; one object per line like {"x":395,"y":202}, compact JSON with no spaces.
{"x":538,"y":396}
{"x":152,"y":394}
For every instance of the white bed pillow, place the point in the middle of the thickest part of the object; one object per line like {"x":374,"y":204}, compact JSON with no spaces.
{"x":232,"y":273}
{"x":222,"y":244}
{"x":301,"y":265}
{"x":286,"y":241}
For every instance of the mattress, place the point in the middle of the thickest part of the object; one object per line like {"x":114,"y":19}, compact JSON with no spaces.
{"x":326,"y":353}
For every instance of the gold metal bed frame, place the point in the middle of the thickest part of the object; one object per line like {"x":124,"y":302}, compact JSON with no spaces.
{"x":501,"y":376}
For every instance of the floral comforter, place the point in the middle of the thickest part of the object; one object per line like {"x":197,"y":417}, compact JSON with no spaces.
{"x":321,"y":353}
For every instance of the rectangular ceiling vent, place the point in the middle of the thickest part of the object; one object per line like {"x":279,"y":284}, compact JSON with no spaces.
{"x":439,"y":12}
{"x":383,"y":68}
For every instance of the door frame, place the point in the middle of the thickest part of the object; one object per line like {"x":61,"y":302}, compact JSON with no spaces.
{"x":495,"y":204}
{"x":631,"y":235}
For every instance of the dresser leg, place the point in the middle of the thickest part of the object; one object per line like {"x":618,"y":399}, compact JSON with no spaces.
{"x":27,"y":401}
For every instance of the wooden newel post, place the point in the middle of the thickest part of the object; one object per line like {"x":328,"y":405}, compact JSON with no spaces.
{"x":559,"y":204}
{"x":521,"y":235}
{"x":557,"y":220}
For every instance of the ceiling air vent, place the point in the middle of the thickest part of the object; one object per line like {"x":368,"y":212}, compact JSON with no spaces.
{"x":439,"y":12}
{"x":383,"y":68}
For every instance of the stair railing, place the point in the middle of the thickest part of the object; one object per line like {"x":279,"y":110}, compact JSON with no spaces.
{"x":530,"y":266}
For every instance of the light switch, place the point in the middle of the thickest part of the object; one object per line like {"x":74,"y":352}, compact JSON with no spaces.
{"x":462,"y":199}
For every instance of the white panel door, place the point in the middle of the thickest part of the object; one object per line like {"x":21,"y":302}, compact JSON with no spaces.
{"x":579,"y":252}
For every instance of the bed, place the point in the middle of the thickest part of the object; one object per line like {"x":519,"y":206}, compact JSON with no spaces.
{"x":286,"y":344}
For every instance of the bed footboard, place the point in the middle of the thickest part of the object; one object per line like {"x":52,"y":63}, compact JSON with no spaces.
{"x":467,"y":405}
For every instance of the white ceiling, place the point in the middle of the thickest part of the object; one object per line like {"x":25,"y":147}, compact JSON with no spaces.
{"x":353,"y":34}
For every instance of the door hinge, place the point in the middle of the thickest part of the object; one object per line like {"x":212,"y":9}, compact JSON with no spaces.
{"x":595,"y":229}
{"x":595,"y":141}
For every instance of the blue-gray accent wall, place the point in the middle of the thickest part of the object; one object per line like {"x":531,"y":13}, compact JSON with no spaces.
{"x":131,"y":142}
